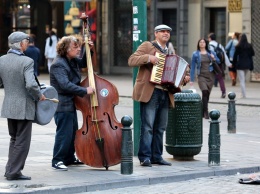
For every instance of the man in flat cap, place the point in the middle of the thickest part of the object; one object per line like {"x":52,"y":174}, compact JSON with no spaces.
{"x":21,"y":92}
{"x":154,"y":99}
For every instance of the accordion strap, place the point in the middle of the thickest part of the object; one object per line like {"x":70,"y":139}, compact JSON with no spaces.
{"x":158,"y":47}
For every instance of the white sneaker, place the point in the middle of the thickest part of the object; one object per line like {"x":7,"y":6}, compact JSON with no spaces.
{"x":59,"y":166}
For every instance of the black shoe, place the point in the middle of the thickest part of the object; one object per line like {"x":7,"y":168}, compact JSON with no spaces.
{"x":146,"y":162}
{"x":206,"y":115}
{"x":19,"y":177}
{"x":162,"y":162}
{"x":76,"y":162}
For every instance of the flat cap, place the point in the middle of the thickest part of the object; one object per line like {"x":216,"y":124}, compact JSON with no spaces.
{"x":17,"y":37}
{"x":162,"y":27}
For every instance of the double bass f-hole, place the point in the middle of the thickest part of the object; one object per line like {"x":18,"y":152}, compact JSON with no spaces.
{"x":98,"y":141}
{"x":94,"y":121}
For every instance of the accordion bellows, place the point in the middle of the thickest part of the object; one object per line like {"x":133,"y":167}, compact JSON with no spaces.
{"x":170,"y":70}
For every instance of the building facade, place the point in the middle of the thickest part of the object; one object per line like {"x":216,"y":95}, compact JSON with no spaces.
{"x":190,"y":20}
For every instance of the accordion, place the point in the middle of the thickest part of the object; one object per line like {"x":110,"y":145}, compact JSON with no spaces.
{"x":170,"y":70}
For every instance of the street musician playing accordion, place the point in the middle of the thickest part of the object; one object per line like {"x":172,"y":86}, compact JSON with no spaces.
{"x":154,"y":98}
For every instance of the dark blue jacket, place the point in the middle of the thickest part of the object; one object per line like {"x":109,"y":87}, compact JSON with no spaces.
{"x":34,"y":53}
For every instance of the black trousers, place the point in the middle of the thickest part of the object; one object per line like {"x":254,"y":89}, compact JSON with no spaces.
{"x":20,"y":132}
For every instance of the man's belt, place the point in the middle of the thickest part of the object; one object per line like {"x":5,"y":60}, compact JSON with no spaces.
{"x":160,"y":87}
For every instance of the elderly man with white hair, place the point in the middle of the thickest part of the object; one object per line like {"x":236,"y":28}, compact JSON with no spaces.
{"x":21,"y":92}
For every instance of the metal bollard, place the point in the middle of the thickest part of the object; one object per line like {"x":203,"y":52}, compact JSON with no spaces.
{"x":127,"y":146}
{"x":231,"y":114}
{"x":214,"y":139}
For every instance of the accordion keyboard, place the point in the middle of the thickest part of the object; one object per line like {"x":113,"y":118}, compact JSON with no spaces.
{"x":157,"y":71}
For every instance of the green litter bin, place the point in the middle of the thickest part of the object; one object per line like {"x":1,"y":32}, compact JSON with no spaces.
{"x":184,"y":130}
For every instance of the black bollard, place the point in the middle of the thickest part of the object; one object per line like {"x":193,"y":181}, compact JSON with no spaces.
{"x":214,"y":139}
{"x":231,"y":114}
{"x":127,"y":146}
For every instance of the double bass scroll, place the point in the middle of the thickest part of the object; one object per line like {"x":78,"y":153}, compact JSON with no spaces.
{"x":98,"y":141}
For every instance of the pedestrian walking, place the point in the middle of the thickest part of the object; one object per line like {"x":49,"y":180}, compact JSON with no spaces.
{"x":214,"y":45}
{"x":34,"y":53}
{"x":50,"y":47}
{"x":154,"y":99}
{"x":243,"y":61}
{"x":201,"y":63}
{"x":21,"y":92}
{"x":230,"y":50}
{"x":65,"y":78}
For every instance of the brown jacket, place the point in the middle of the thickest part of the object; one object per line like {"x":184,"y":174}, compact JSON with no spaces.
{"x":143,"y":88}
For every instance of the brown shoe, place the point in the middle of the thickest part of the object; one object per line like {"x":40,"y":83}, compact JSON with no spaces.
{"x":233,"y":82}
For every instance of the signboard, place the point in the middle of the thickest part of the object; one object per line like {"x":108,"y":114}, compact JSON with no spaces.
{"x":234,"y":5}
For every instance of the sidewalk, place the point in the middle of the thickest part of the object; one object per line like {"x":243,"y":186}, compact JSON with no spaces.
{"x":239,"y":153}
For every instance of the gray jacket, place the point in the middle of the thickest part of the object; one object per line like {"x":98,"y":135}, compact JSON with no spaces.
{"x":21,"y":89}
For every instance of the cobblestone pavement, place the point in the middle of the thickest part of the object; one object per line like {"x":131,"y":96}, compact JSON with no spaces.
{"x":250,"y":111}
{"x":209,"y":185}
{"x":238,"y":155}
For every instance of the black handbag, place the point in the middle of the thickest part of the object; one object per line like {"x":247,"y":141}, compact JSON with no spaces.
{"x":216,"y":68}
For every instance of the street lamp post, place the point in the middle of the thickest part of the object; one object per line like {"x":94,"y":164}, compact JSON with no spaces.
{"x":139,"y":36}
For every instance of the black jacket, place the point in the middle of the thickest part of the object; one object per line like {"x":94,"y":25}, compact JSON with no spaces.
{"x":243,"y":58}
{"x":65,"y":77}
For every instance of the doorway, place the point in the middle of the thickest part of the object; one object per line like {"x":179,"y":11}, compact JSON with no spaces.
{"x":217,"y":24}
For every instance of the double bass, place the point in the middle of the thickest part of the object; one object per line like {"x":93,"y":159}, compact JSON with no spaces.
{"x":98,"y":141}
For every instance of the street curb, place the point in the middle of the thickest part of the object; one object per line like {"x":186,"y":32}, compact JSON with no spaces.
{"x":133,"y":182}
{"x":237,"y":104}
{"x":215,"y":102}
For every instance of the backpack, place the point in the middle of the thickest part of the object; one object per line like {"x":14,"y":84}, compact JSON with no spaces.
{"x":219,"y":52}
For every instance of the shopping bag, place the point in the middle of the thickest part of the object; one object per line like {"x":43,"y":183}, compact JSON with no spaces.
{"x":74,"y":11}
{"x":69,"y":30}
{"x":68,"y":17}
{"x":75,"y":23}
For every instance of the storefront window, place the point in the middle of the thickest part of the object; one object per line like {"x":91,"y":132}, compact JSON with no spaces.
{"x":122,"y":32}
{"x":23,"y":19}
{"x":73,"y":11}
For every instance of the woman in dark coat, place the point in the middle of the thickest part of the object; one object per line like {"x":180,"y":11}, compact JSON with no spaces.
{"x":243,"y":61}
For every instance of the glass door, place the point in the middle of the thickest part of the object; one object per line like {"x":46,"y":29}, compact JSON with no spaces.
{"x":217,"y":24}
{"x":22,"y":19}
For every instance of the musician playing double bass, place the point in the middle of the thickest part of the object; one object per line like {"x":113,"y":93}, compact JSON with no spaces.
{"x":154,"y":99}
{"x":65,"y":77}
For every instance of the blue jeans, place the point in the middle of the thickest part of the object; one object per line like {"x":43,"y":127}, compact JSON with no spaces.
{"x":154,"y":118}
{"x":67,"y":125}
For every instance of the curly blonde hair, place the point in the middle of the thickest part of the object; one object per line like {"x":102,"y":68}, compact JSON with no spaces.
{"x":64,"y":44}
